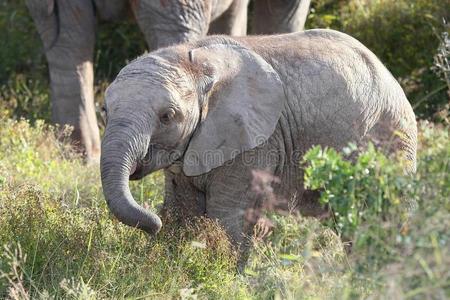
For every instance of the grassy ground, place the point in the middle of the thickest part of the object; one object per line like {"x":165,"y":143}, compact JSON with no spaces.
{"x":59,"y":239}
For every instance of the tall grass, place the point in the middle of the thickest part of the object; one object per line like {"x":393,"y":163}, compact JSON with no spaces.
{"x":59,"y":240}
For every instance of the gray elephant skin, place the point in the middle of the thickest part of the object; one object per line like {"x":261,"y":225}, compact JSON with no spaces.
{"x":67,"y":29}
{"x":279,"y":16}
{"x":211,"y":113}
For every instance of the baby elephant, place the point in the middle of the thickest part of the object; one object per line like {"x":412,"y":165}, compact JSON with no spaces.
{"x":215,"y":112}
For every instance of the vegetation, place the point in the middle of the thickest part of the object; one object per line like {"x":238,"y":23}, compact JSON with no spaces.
{"x":388,"y":236}
{"x":59,"y":239}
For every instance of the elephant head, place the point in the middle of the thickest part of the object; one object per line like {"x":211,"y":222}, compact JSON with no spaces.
{"x":179,"y":104}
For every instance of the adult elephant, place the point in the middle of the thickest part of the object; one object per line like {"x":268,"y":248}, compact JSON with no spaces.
{"x":214,"y":112}
{"x":279,"y":16}
{"x":67,"y":29}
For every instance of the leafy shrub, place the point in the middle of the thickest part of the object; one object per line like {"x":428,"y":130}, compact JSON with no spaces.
{"x":23,"y":75}
{"x":398,"y":223}
{"x":359,"y":191}
{"x":21,"y":51}
{"x":116,"y":44}
{"x":325,"y":14}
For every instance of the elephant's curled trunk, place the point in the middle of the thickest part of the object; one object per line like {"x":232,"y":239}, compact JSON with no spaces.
{"x":117,"y":159}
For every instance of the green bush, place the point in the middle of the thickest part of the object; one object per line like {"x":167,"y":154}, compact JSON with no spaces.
{"x":356,"y":192}
{"x":21,"y":50}
{"x":23,"y":70}
{"x":397,"y":224}
{"x":116,"y":45}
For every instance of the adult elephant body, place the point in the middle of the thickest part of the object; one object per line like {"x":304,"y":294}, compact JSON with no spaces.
{"x":279,"y":16}
{"x":67,"y":29}
{"x":215,"y":113}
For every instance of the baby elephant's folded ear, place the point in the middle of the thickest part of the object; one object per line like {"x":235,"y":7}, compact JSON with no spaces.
{"x":240,"y":106}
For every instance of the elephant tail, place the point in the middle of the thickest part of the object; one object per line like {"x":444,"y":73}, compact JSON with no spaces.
{"x":403,"y":132}
{"x":407,"y":139}
{"x":396,"y":131}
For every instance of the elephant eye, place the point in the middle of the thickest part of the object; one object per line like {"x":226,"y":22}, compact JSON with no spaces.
{"x":167,"y":116}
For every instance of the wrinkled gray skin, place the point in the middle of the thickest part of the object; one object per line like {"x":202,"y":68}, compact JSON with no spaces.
{"x":279,"y":16}
{"x":212,"y":112}
{"x":67,"y":29}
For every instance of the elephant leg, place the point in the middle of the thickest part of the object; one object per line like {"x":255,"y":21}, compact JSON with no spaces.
{"x":233,"y":21}
{"x":279,"y":16}
{"x":109,"y":10}
{"x":182,"y":200}
{"x":170,"y":22}
{"x":67,"y":31}
{"x":231,"y":201}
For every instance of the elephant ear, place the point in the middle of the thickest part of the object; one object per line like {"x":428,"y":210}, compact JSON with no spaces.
{"x":241,"y":98}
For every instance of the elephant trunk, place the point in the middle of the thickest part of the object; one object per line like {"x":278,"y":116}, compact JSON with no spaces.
{"x":120,"y":153}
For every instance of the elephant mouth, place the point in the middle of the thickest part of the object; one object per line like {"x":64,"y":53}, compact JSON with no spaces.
{"x":136,"y":172}
{"x":155,"y":159}
{"x":138,"y":169}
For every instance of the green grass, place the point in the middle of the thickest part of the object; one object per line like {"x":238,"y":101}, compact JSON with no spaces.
{"x":59,"y":239}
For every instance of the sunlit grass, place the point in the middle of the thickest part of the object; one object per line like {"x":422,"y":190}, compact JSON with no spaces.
{"x":59,"y":239}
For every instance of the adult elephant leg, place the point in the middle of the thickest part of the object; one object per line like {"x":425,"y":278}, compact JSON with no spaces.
{"x":233,"y":21}
{"x":169,"y":22}
{"x":279,"y":16}
{"x":67,"y":31}
{"x":109,"y":10}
